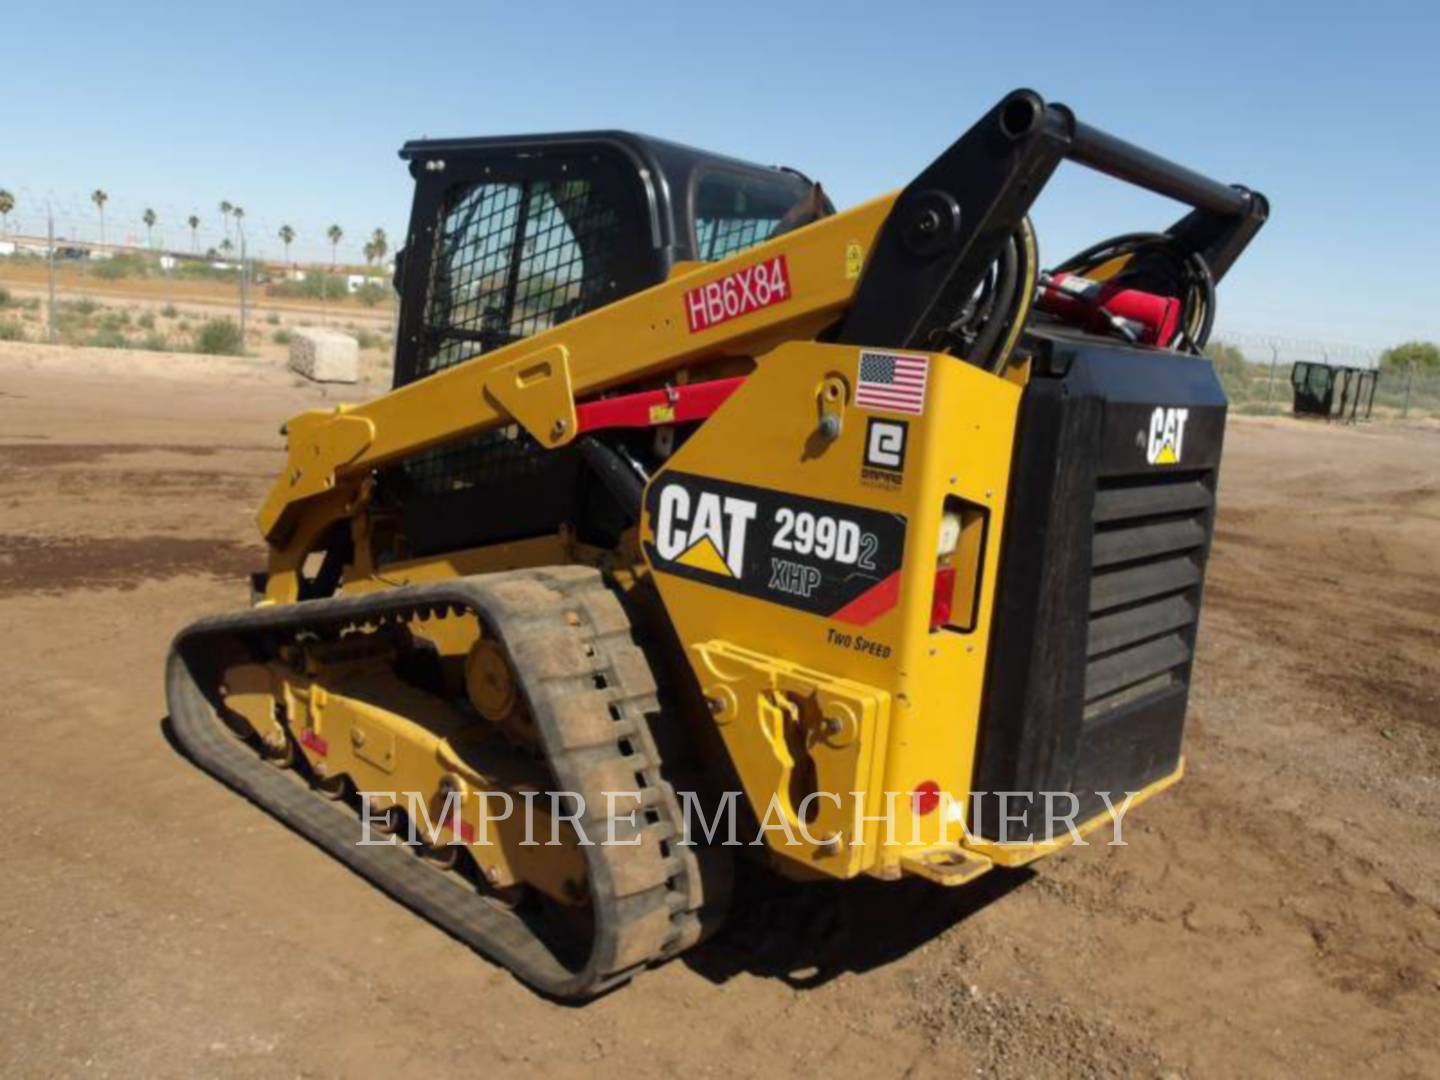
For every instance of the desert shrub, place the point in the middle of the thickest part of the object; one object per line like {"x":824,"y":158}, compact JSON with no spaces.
{"x":121,"y":266}
{"x":114,"y":321}
{"x":82,"y":308}
{"x":10,"y":330}
{"x":155,"y":342}
{"x":146,"y":321}
{"x":169,"y":311}
{"x":281,"y":337}
{"x":273,"y":319}
{"x":314,"y":287}
{"x":371,"y":293}
{"x":5,"y":298}
{"x":219,"y":337}
{"x":203,"y":271}
{"x":108,"y":338}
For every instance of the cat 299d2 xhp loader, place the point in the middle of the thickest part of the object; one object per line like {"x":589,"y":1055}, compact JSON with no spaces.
{"x":695,"y":503}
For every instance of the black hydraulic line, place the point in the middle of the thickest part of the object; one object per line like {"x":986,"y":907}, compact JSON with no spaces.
{"x":1002,"y":300}
{"x":615,"y":473}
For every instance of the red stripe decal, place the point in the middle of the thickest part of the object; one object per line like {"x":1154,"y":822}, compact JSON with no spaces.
{"x":674,"y":405}
{"x":315,"y":742}
{"x":872,"y":603}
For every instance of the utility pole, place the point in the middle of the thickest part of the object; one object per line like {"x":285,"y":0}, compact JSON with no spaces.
{"x":50,"y":259}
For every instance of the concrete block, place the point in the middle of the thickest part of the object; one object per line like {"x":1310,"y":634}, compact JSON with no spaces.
{"x":324,"y":355}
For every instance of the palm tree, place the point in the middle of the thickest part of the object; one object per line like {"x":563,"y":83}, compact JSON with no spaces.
{"x":376,"y":248}
{"x":7,"y":203}
{"x":149,"y":219}
{"x":287,"y":237}
{"x":225,"y":209}
{"x":99,"y":198}
{"x":194,"y":222}
{"x":334,"y":234}
{"x":226,"y":246}
{"x":238,"y":213}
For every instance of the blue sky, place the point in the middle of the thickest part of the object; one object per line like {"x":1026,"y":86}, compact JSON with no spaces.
{"x":295,"y":112}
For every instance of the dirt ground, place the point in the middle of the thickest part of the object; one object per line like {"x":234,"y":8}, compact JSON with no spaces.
{"x":1275,"y":915}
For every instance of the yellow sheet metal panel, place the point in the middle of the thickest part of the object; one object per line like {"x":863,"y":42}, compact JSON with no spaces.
{"x":810,"y":534}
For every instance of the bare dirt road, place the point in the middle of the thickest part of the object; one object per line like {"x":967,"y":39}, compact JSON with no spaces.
{"x":1278,"y":914}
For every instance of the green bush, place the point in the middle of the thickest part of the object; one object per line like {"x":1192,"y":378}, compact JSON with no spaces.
{"x":169,"y":311}
{"x":10,"y":330}
{"x":146,"y":321}
{"x":281,"y":337}
{"x":220,"y":337}
{"x":155,"y":342}
{"x":83,"y":308}
{"x":273,"y":319}
{"x":1421,"y":355}
{"x":121,"y":266}
{"x":107,"y":339}
{"x":371,"y":293}
{"x":368,"y":339}
{"x":314,"y":287}
{"x":203,"y":271}
{"x":5,"y":297}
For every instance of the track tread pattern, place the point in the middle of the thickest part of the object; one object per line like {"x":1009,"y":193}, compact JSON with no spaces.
{"x":591,"y":693}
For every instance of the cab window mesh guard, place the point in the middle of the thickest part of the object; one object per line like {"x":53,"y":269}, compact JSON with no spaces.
{"x":511,"y":259}
{"x":734,"y":211}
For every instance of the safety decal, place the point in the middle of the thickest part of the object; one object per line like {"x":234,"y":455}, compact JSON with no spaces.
{"x":892,"y":382}
{"x":827,"y":558}
{"x":737,"y":293}
{"x":1167,"y":436}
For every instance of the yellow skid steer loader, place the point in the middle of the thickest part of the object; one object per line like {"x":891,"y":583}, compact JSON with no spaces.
{"x":703,"y":519}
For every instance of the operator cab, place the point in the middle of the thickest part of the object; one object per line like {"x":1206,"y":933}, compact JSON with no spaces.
{"x":510,"y":236}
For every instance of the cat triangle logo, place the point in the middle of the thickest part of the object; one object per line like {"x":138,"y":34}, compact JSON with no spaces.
{"x":1167,"y":436}
{"x":704,"y":555}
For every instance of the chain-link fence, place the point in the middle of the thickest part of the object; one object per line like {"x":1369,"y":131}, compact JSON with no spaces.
{"x":1256,"y":371}
{"x":63,"y":291}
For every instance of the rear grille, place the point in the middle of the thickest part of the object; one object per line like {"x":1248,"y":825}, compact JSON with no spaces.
{"x":1146,"y":557}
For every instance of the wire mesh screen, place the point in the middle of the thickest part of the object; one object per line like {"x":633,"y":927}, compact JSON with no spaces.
{"x":735,"y":211}
{"x":512,"y":259}
{"x":719,"y":237}
{"x":465,"y":464}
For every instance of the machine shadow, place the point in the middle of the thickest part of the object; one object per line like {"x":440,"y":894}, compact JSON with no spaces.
{"x":807,"y":934}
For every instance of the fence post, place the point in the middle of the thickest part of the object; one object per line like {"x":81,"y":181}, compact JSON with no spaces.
{"x":244,"y":291}
{"x":50,"y":259}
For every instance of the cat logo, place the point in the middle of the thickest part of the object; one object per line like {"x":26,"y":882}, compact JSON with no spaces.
{"x":706,"y":533}
{"x":1167,"y":436}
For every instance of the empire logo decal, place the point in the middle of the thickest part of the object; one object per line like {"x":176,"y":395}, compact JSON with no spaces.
{"x":1166,"y":443}
{"x":883,"y":464}
{"x":826,"y":558}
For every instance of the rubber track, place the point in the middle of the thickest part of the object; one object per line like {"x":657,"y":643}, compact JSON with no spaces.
{"x":589,"y":689}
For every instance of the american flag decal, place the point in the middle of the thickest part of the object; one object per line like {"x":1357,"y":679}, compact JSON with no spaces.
{"x":894,"y":382}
